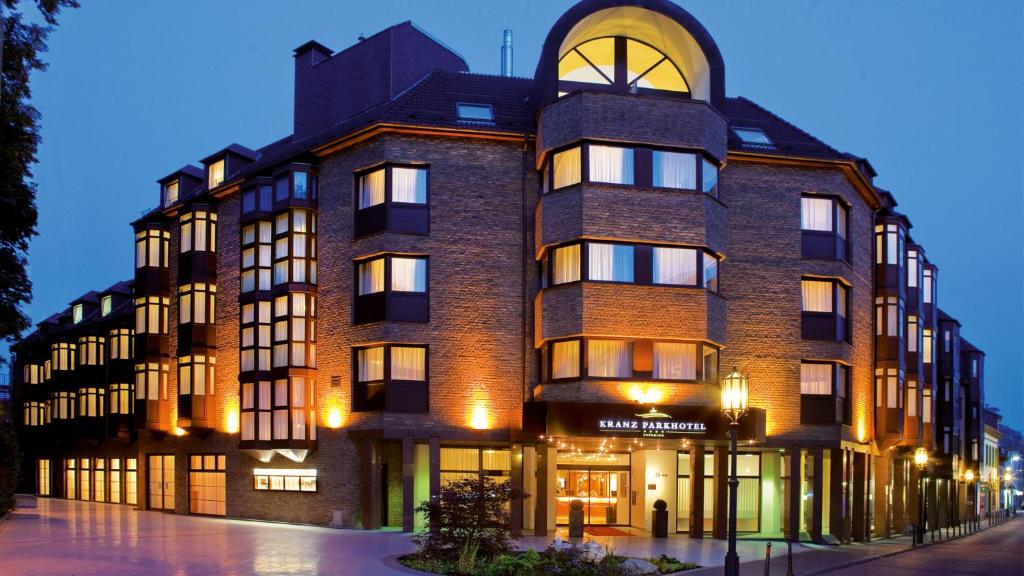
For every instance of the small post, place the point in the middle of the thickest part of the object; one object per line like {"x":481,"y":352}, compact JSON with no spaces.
{"x":789,"y":557}
{"x":768,"y":559}
{"x":913,"y":539}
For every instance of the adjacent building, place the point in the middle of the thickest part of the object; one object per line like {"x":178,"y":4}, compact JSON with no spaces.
{"x":442,"y":274}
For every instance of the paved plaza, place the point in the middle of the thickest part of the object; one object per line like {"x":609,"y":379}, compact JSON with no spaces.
{"x":67,"y":537}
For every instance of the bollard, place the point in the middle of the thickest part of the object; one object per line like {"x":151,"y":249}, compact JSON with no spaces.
{"x":789,"y":558}
{"x":913,"y":539}
{"x":768,"y":559}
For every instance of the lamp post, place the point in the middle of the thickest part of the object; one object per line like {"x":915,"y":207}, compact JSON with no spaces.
{"x":921,"y":461}
{"x":969,"y":478}
{"x":734,"y":405}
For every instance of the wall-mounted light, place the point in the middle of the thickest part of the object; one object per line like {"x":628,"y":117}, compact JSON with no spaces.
{"x":334,"y":418}
{"x":480,"y":420}
{"x":231,"y":421}
{"x":178,"y":431}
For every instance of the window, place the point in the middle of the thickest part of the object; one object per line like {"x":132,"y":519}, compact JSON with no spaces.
{"x":823,"y":225}
{"x":565,"y":359}
{"x":609,"y":358}
{"x":121,"y":344}
{"x":889,"y":389}
{"x":620,"y":64}
{"x":926,"y":345}
{"x":974,"y":367}
{"x":393,"y":198}
{"x":295,"y":247}
{"x":824,"y":305}
{"x":63,"y":406}
{"x":709,"y":178}
{"x":610,"y":262}
{"x":927,"y":288}
{"x":294,"y":184}
{"x":196,"y":375}
{"x":567,"y":168}
{"x":889,"y":244}
{"x":215,"y":174}
{"x":676,"y":266}
{"x":32,"y":374}
{"x":91,"y":351}
{"x":391,"y":287}
{"x":259,"y":197}
{"x":282,"y":409}
{"x":62,"y":356}
{"x":816,"y":378}
{"x":565,"y":264}
{"x":913,"y":268}
{"x":151,"y":315}
{"x":825,"y":393}
{"x":170,"y":193}
{"x":371,"y":188}
{"x":198,"y":231}
{"x":91,"y":402}
{"x":43,"y":477}
{"x":946,"y":340}
{"x":196,"y":303}
{"x":151,"y":248}
{"x":710,"y":272}
{"x":675,"y":170}
{"x":475,"y":112}
{"x":912,"y":333}
{"x":76,"y":313}
{"x":392,"y":378}
{"x":106,"y":305}
{"x":675,"y":361}
{"x":912,"y":398}
{"x":295,"y":330}
{"x":610,"y":164}
{"x":255,"y":342}
{"x":151,"y":381}
{"x":257,"y":258}
{"x":121,"y":398}
{"x":288,"y":480}
{"x":753,"y":137}
{"x":33,"y":414}
{"x":474,"y":463}
{"x":888,"y":316}
{"x":207,"y":475}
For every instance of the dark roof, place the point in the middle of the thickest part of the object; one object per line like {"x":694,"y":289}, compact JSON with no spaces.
{"x":788,"y":139}
{"x":947,"y":318}
{"x":234,"y":149}
{"x":966,"y":346}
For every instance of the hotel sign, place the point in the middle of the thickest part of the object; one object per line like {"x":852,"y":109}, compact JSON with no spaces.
{"x":652,"y":424}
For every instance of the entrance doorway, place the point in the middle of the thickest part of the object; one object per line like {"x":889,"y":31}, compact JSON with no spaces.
{"x":161,"y":482}
{"x":600,"y":481}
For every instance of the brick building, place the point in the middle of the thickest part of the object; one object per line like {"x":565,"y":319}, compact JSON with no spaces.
{"x":443,"y":274}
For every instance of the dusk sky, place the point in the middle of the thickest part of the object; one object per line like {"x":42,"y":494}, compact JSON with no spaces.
{"x":931,"y":92}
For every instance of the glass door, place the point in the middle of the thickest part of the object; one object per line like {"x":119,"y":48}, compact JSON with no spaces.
{"x":600,"y":481}
{"x":161,"y":482}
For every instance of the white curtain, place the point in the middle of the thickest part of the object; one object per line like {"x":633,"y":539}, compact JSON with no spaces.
{"x":201,"y":231}
{"x":817,"y":296}
{"x":816,"y":379}
{"x":710,"y":272}
{"x":610,"y":358}
{"x":710,"y":177}
{"x":816,"y":214}
{"x":409,"y":185}
{"x":371,"y":189}
{"x":408,"y":363}
{"x":674,"y":170}
{"x":675,"y":361}
{"x":610,"y":262}
{"x":408,"y":274}
{"x":567,"y":168}
{"x":371,"y":276}
{"x":565,"y":359}
{"x":566,"y":265}
{"x":611,"y":164}
{"x":370,"y":364}
{"x":675,"y":266}
{"x":185,"y":241}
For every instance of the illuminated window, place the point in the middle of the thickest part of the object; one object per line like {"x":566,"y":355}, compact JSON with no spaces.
{"x":392,"y":197}
{"x":629,"y":263}
{"x":33,"y":414}
{"x":106,"y":305}
{"x":391,"y":378}
{"x":43,"y":477}
{"x":282,"y":409}
{"x":215,"y":174}
{"x":257,"y":256}
{"x":121,"y":344}
{"x":888,"y":388}
{"x":121,"y":399}
{"x":823,"y":225}
{"x":888,"y":316}
{"x":565,"y":359}
{"x":567,"y":168}
{"x":474,"y":463}
{"x":151,"y":315}
{"x":294,"y":334}
{"x":621,"y":64}
{"x":198,"y":231}
{"x":609,"y":358}
{"x":151,"y":381}
{"x":33,"y":374}
{"x":115,"y":480}
{"x":295,"y":247}
{"x":288,"y":480}
{"x":674,"y":170}
{"x":131,"y":481}
{"x":928,"y":289}
{"x":196,"y":303}
{"x":610,"y":262}
{"x":207,"y":475}
{"x":76,"y":313}
{"x":391,"y":287}
{"x":170,"y":193}
{"x":824,"y":309}
{"x":151,"y":248}
{"x":565,"y":265}
{"x":927,"y":345}
{"x":256,"y":341}
{"x":196,"y":375}
{"x":63,"y":407}
{"x":610,"y":164}
{"x":90,"y":351}
{"x":91,"y":402}
{"x":889,"y":240}
{"x":62,"y":356}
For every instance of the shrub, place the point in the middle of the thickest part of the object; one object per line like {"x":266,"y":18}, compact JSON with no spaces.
{"x":469,"y":520}
{"x":9,"y":467}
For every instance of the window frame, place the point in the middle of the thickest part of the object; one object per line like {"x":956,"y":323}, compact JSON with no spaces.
{"x":360,"y":401}
{"x":391,"y":215}
{"x":812,"y":241}
{"x":619,"y":81}
{"x":739,"y":131}
{"x":647,"y":344}
{"x":811,"y":319}
{"x":381,"y":306}
{"x":188,"y":231}
{"x":643,"y":265}
{"x":489,"y":120}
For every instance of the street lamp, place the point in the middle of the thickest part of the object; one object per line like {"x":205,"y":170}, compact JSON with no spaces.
{"x":969,"y":478}
{"x":734,"y":405}
{"x":921,"y":461}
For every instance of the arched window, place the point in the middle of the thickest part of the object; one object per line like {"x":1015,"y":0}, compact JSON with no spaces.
{"x":619,"y":64}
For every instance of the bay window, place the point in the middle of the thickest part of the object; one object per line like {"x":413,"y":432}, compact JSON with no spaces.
{"x":32,"y":374}
{"x":90,"y":351}
{"x":292,"y":413}
{"x":151,"y":315}
{"x":927,"y":346}
{"x":257,"y":259}
{"x":295,"y":247}
{"x":91,"y":402}
{"x":256,"y":411}
{"x":392,"y":197}
{"x":610,"y":262}
{"x":121,"y":398}
{"x":610,"y":164}
{"x":33,"y":414}
{"x":913,"y":268}
{"x":927,"y":288}
{"x":823,"y":227}
{"x":889,"y":244}
{"x":912,"y":333}
{"x":824,"y":306}
{"x":391,"y":378}
{"x":295,"y":330}
{"x":609,"y":358}
{"x":912,"y":398}
{"x":296,"y":185}
{"x":196,"y":375}
{"x":391,"y":287}
{"x":675,"y":361}
{"x":888,"y":316}
{"x":62,"y":356}
{"x":151,"y":248}
{"x":629,"y":263}
{"x":63,"y":406}
{"x":640,"y":166}
{"x":121,"y":344}
{"x":674,"y":170}
{"x":255,"y":343}
{"x":636,"y":359}
{"x":565,"y":359}
{"x":151,"y":381}
{"x":926,"y":404}
{"x":824,"y":393}
{"x":198,"y":231}
{"x":196,"y":303}
{"x":258,"y":198}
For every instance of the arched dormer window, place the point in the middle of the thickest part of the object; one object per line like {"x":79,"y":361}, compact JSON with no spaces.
{"x":619,"y":64}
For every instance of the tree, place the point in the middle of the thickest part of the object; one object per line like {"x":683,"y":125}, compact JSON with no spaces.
{"x":23,"y":45}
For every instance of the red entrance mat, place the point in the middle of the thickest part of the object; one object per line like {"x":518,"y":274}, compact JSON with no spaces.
{"x":605,"y":531}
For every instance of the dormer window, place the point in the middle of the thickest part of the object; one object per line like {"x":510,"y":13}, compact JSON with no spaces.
{"x":475,"y":112}
{"x":754,"y":137}
{"x":620,"y":64}
{"x":76,"y":313}
{"x":170,"y":193}
{"x":106,"y":305}
{"x":215,"y":174}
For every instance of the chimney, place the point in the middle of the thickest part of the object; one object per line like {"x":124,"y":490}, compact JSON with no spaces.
{"x":506,"y":54}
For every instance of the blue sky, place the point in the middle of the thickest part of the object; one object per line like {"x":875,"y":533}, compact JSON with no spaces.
{"x":931,"y":92}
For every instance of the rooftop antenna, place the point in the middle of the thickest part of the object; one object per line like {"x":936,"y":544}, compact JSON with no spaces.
{"x":506,"y":54}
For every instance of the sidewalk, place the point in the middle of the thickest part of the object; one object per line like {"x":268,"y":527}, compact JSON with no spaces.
{"x":825,"y":559}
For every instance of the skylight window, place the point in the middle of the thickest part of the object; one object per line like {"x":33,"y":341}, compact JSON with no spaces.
{"x":475,"y":112}
{"x":754,"y":137}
